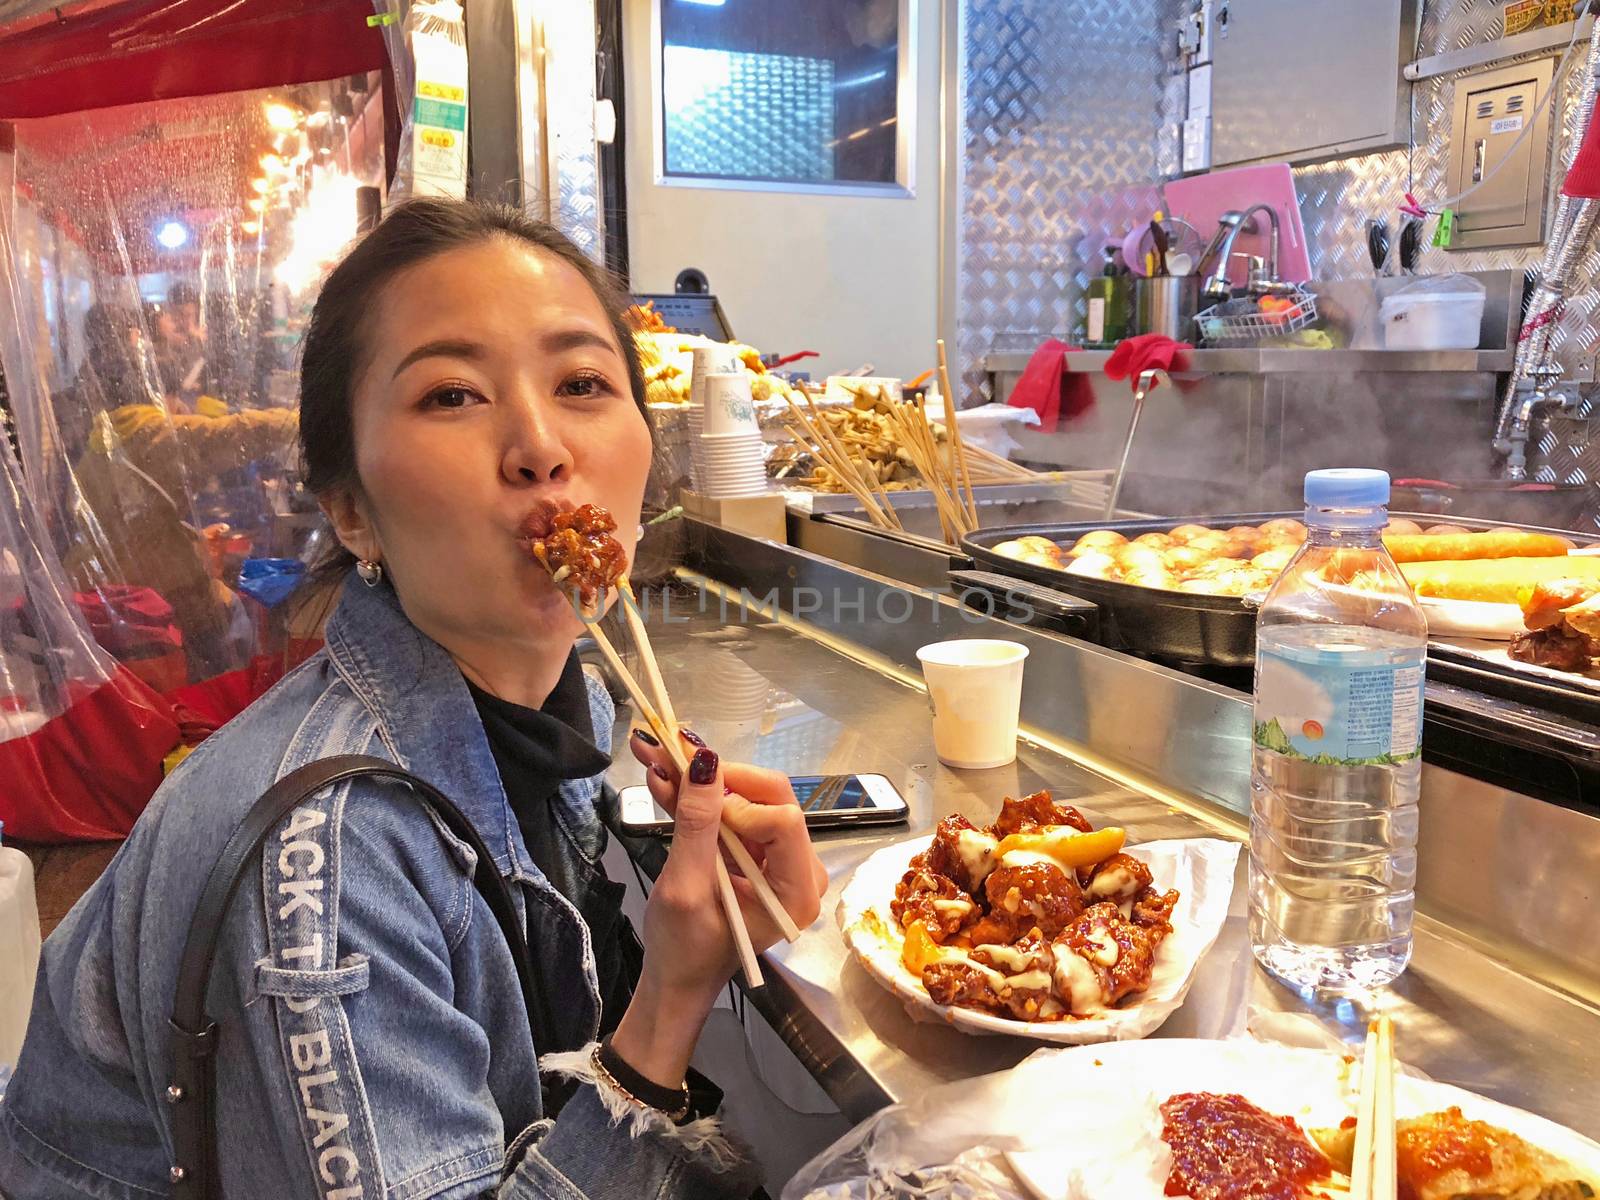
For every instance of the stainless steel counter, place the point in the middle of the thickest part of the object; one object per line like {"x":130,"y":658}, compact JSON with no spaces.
{"x":1513,"y":1021}
{"x":1267,"y":361}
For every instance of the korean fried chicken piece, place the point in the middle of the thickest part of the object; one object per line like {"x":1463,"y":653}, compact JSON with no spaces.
{"x":1009,"y":981}
{"x":1035,"y":896}
{"x":961,"y":852}
{"x":1563,"y":619}
{"x":942,"y":907}
{"x":1032,"y":813}
{"x":577,"y":547}
{"x":1118,"y":879}
{"x":1556,"y":647}
{"x":1152,"y":910}
{"x":1102,"y":957}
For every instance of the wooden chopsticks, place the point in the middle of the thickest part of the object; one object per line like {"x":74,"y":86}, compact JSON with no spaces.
{"x":1372,"y":1169}
{"x":655,"y":709}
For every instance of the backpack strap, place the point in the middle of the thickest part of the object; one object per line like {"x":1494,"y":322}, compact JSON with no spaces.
{"x":191,"y":1092}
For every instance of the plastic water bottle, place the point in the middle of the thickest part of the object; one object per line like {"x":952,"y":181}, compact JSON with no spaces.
{"x":19,"y":949}
{"x":1336,"y":759}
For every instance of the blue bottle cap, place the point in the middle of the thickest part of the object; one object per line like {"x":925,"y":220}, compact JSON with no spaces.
{"x":1347,"y":487}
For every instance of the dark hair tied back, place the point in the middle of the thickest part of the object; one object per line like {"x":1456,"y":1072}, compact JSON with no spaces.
{"x":335,"y":351}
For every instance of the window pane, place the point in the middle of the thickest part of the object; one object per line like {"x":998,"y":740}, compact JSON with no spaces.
{"x":777,"y":91}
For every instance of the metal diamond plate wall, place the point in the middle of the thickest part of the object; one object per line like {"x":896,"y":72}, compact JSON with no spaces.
{"x":748,"y":116}
{"x":1066,"y":134}
{"x":574,"y":158}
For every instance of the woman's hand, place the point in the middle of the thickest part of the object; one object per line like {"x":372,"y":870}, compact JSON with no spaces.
{"x":689,"y":949}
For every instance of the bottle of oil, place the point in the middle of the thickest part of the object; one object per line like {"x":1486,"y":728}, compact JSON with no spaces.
{"x":1108,"y":295}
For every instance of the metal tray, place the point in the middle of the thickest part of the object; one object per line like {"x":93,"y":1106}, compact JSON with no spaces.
{"x":1177,"y":626}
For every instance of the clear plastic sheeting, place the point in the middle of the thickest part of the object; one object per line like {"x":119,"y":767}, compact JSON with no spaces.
{"x":157,"y":264}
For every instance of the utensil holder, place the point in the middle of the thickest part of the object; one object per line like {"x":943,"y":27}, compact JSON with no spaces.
{"x":1166,"y":304}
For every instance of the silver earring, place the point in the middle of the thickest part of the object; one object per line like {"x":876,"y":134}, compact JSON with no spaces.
{"x":371,"y":572}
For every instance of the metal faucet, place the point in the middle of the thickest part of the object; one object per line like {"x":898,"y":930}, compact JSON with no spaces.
{"x":1230,"y":225}
{"x":1534,"y":394}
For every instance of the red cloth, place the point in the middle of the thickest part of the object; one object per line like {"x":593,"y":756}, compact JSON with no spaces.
{"x":1583,"y":179}
{"x":1147,"y":352}
{"x":1040,"y":387}
{"x":87,"y":774}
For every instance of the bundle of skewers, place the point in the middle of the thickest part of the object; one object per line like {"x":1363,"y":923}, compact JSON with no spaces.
{"x":883,"y":444}
{"x":578,"y":547}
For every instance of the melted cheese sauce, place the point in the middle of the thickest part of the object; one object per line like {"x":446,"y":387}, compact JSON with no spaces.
{"x":1106,"y":951}
{"x":1118,"y":881}
{"x":1077,"y":984}
{"x":977,"y":854}
{"x":1026,"y":858}
{"x":1009,"y":957}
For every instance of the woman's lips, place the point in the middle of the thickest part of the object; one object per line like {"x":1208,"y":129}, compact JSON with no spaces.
{"x":541,"y":519}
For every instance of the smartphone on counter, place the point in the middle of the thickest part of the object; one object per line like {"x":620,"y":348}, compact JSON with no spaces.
{"x":829,"y":801}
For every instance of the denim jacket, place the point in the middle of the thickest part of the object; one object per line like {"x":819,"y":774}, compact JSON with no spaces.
{"x":373,"y":1038}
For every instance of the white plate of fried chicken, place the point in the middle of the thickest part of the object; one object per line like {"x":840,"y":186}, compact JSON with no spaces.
{"x":1039,"y":925}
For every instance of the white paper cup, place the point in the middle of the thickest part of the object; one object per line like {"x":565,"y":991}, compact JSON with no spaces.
{"x":728,"y":406}
{"x":708,"y":360}
{"x":975,"y":690}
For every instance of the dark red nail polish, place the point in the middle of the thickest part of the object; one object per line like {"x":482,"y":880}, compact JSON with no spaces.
{"x":693,"y":738}
{"x":661,"y":773}
{"x":703,"y":766}
{"x":645,"y":736}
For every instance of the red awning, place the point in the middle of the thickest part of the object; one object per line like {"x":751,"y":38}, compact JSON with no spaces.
{"x":101,"y":53}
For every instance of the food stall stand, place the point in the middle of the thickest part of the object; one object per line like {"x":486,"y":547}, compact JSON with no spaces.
{"x":1499,"y":998}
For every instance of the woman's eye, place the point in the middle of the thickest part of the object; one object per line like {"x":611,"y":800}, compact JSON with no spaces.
{"x":451,"y":397}
{"x":584,"y":386}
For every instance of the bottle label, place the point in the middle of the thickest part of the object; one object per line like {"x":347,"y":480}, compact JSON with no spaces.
{"x":1325,"y":710}
{"x":1097,"y":320}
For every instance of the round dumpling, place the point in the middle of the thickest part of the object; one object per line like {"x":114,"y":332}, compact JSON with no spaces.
{"x":1282,"y":525}
{"x":1449,"y":529}
{"x":1099,"y":539}
{"x":1241,"y":581}
{"x":1185,"y":533}
{"x":1160,"y":541}
{"x":1183,"y":559}
{"x":1093,"y":564}
{"x":1212,"y":541}
{"x":1158,"y":577}
{"x":1400,"y":525}
{"x":1275,"y":559}
{"x":1134,"y":557}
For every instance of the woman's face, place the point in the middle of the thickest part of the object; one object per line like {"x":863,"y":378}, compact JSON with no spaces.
{"x":492,"y":381}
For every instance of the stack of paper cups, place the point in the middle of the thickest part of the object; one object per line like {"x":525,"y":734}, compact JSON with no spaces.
{"x":715,"y":359}
{"x":729,"y":441}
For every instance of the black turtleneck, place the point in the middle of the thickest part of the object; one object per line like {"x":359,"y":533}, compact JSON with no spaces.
{"x":535,"y":751}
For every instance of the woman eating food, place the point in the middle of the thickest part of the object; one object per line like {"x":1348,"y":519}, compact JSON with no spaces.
{"x":464,"y":369}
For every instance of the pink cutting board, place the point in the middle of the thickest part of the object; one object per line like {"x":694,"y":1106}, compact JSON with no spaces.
{"x":1203,"y":199}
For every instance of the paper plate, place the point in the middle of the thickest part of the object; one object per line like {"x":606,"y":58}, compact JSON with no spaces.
{"x":1201,"y":869}
{"x":1118,"y":1154}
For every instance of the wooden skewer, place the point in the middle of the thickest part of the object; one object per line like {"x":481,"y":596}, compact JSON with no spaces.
{"x":953,"y":433}
{"x":871,"y":476}
{"x":839,"y":462}
{"x":730,"y":840}
{"x":669,"y":738}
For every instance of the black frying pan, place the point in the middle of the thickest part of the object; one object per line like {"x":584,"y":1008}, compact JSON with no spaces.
{"x":1177,"y":626}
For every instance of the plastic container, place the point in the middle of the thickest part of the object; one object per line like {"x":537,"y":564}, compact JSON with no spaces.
{"x":1443,"y":312}
{"x":975,"y":688}
{"x":1336,"y":754}
{"x":19,"y":949}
